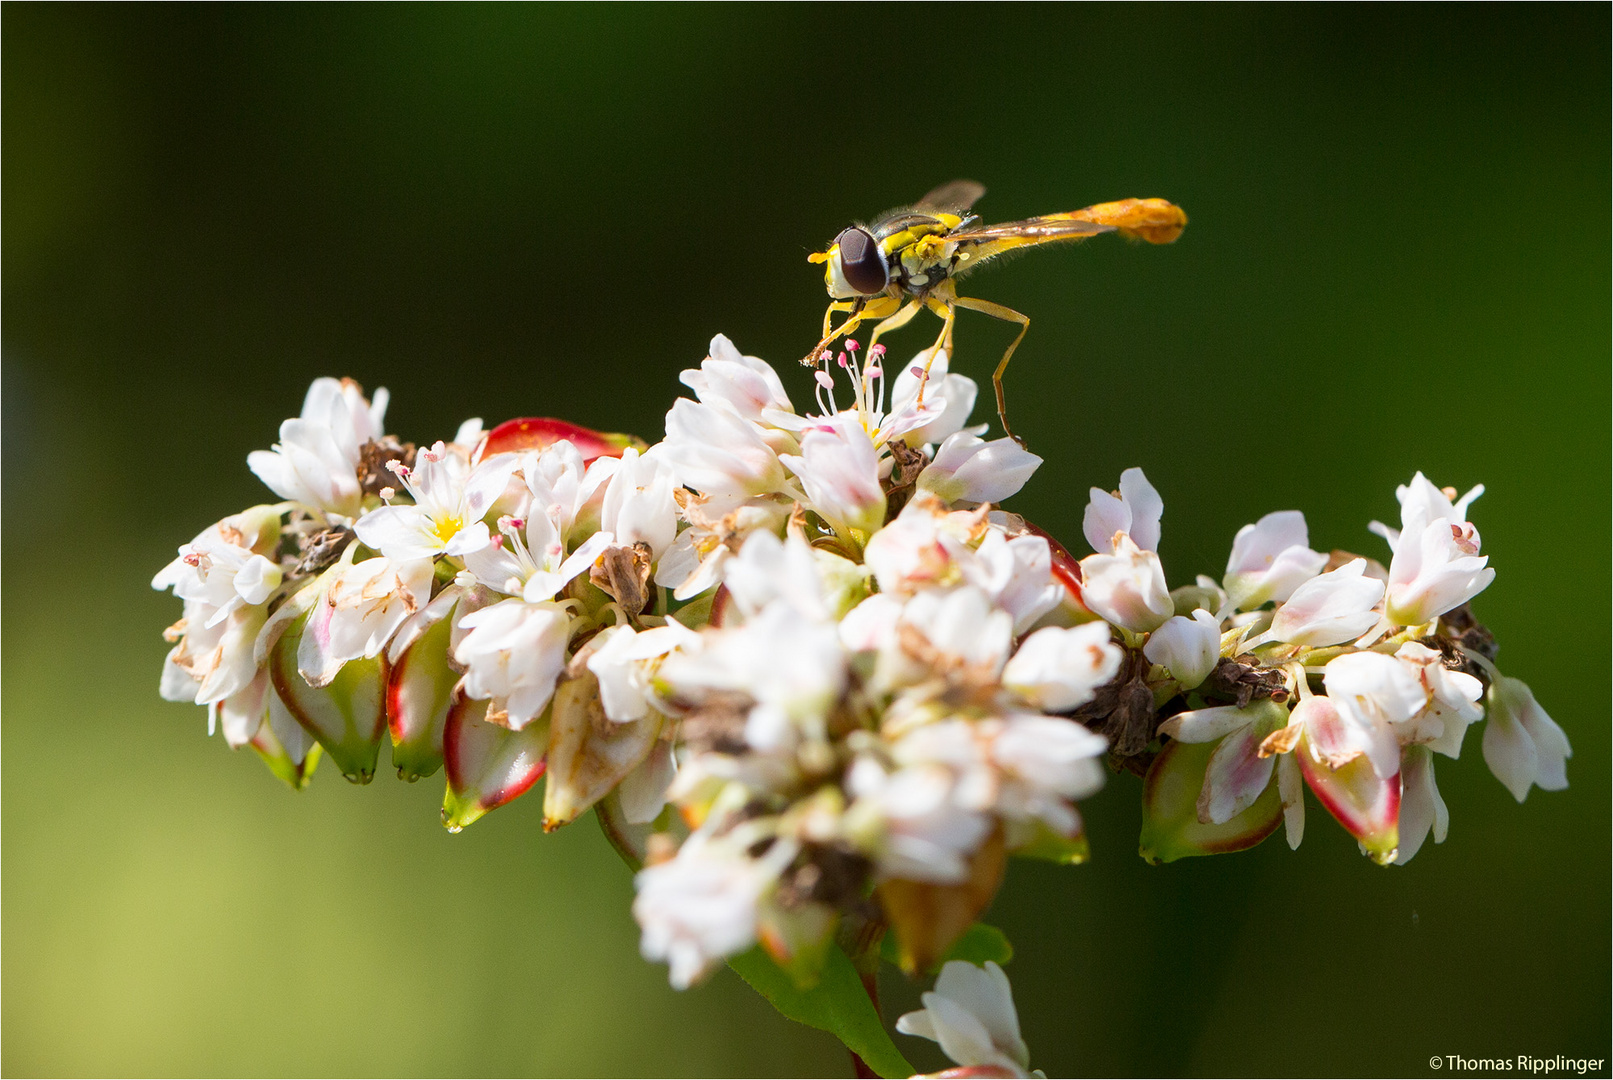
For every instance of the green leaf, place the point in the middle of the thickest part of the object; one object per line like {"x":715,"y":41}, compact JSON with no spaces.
{"x":838,"y":1005}
{"x":979,"y":943}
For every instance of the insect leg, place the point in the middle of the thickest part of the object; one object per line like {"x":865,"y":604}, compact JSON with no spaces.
{"x":855,"y":307}
{"x":1006,"y":314}
{"x":895,"y":322}
{"x":942,"y":306}
{"x":828,"y":316}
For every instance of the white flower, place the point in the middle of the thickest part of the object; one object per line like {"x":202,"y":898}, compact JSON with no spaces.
{"x":1047,"y":759}
{"x":971,"y":1014}
{"x":1270,"y":559}
{"x":963,"y":626}
{"x":1421,"y":808}
{"x":1017,"y":575}
{"x":910,"y":823}
{"x":213,"y":659}
{"x":567,"y":490}
{"x":1436,"y":564}
{"x":743,"y":385}
{"x":969,"y":469}
{"x":1522,"y":745}
{"x":769,"y":570}
{"x":839,"y":469}
{"x":1435,"y":568}
{"x":316,"y":461}
{"x":921,"y":547}
{"x":225,"y":567}
{"x":948,"y":398}
{"x":1452,"y":701}
{"x":1188,"y":648}
{"x":565,"y":503}
{"x":1134,"y":510}
{"x":514,"y":654}
{"x":866,"y":409}
{"x":1330,"y":609}
{"x":793,"y":668}
{"x":638,"y":506}
{"x":716,"y":452}
{"x":368,"y":602}
{"x":1128,"y":587}
{"x":450,"y":500}
{"x":1372,"y":692}
{"x":625,"y":662}
{"x":700,"y":907}
{"x":697,"y":559}
{"x":1057,"y":670}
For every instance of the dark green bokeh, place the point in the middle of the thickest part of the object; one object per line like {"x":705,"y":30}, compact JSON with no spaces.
{"x":1398,"y":260}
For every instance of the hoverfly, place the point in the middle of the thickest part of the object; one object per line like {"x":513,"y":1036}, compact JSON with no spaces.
{"x":907,"y":260}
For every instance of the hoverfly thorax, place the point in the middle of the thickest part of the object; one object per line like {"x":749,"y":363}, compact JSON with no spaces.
{"x":857,"y":265}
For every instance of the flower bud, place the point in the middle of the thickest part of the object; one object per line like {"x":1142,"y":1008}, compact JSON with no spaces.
{"x":1522,"y":745}
{"x":1187,"y":648}
{"x":347,"y":714}
{"x":588,"y":753}
{"x":1172,"y":828}
{"x":488,"y":765}
{"x":1365,"y":803}
{"x":420,"y":688}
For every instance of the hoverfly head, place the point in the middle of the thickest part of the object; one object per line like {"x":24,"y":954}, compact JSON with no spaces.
{"x":856,"y":265}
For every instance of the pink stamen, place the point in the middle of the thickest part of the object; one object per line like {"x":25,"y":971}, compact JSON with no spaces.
{"x":851,"y":343}
{"x":876,"y":352}
{"x":825,"y":380}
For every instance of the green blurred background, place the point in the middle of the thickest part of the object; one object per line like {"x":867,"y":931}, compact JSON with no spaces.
{"x":1398,"y":259}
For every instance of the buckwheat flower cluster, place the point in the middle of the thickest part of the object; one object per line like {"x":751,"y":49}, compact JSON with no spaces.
{"x":814,"y":681}
{"x":1303,"y":669}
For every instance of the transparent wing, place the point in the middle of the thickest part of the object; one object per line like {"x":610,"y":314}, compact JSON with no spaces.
{"x":1031,"y":230}
{"x":953,"y":197}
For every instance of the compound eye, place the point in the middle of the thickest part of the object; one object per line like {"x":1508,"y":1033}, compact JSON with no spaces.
{"x":861,"y":262}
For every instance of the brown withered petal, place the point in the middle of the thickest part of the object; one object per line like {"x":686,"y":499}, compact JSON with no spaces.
{"x":373,"y":456}
{"x":321,"y":549}
{"x":718,"y":725}
{"x":907,"y":463}
{"x":824,"y":874}
{"x":624,"y":573}
{"x":1123,"y":709}
{"x":1459,"y":631}
{"x":1243,"y":683}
